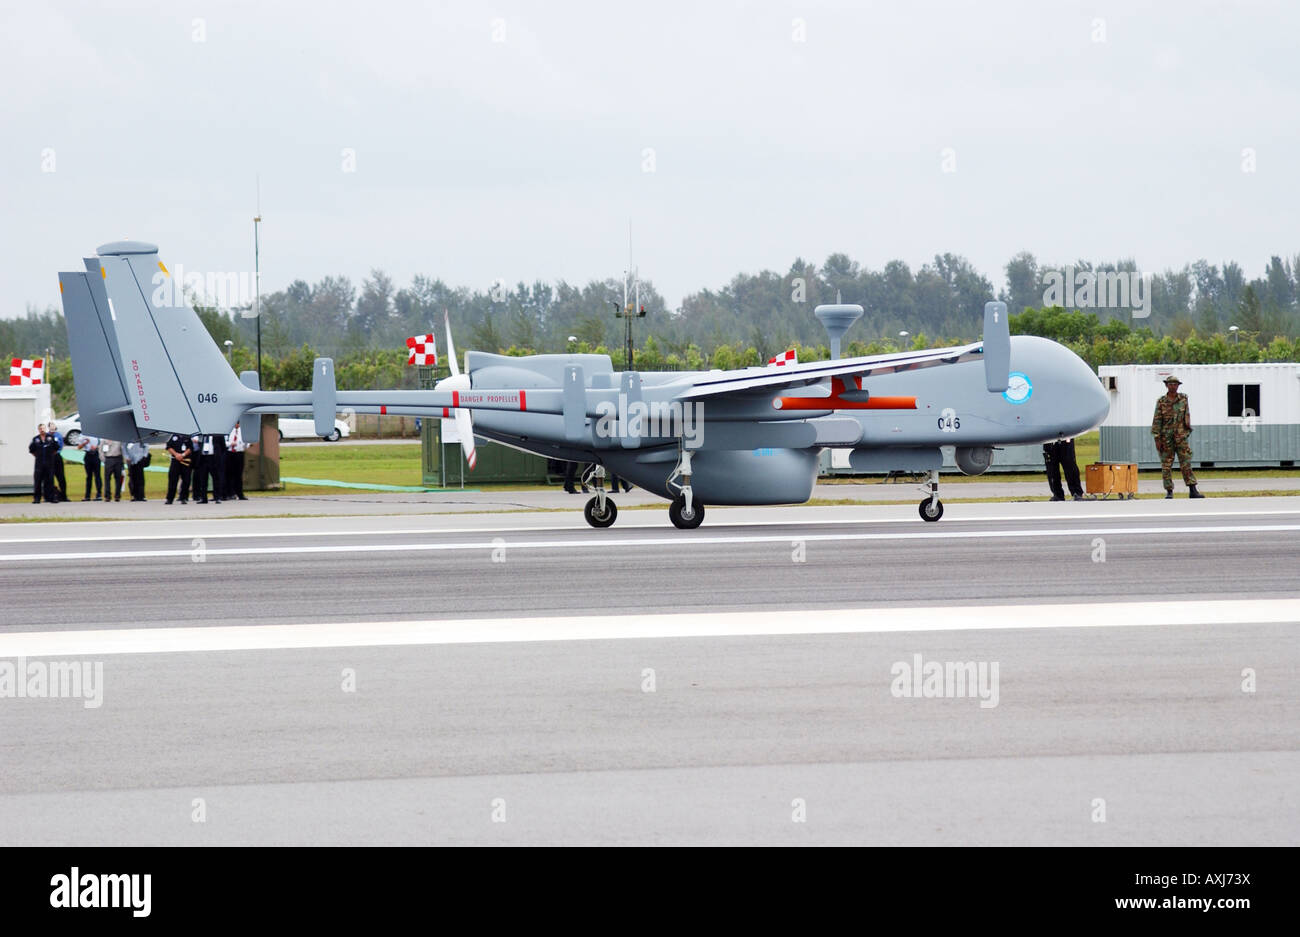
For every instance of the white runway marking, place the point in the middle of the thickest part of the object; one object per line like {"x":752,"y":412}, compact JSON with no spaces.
{"x":652,"y":521}
{"x":682,"y":540}
{"x":610,"y":627}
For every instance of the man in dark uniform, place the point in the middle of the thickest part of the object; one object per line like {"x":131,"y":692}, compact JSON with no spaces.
{"x":89,"y":445}
{"x":44,"y":451}
{"x":1060,"y":455}
{"x":56,"y":464}
{"x":215,"y":454}
{"x":1171,"y":426}
{"x":199,"y":481}
{"x":178,"y":473}
{"x":202,"y":465}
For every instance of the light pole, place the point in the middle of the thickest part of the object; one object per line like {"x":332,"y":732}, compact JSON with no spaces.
{"x":902,"y":338}
{"x":257,"y":285}
{"x":1234,"y":330}
{"x":229,"y":346}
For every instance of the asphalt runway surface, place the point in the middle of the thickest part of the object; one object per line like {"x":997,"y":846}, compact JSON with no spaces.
{"x":526,"y":679}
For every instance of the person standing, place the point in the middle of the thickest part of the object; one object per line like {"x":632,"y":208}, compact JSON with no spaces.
{"x":1057,"y":456}
{"x":574,"y":471}
{"x":215,"y":455}
{"x":89,"y":446}
{"x":178,"y":472}
{"x":137,"y":457}
{"x":199,"y":485}
{"x":56,"y":466}
{"x":1171,"y":426}
{"x":43,"y":452}
{"x":110,"y":451}
{"x":235,"y":449}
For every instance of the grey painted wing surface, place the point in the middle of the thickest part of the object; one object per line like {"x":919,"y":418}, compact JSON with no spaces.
{"x":733,"y":381}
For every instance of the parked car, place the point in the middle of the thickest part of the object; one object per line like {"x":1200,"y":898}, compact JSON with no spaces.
{"x":305,"y":428}
{"x":70,"y":427}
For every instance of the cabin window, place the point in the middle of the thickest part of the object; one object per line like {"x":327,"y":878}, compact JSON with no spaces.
{"x":1243,"y":400}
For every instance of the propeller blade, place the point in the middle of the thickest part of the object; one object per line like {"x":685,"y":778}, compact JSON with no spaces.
{"x":465,"y":430}
{"x":464,"y":421}
{"x":451,"y":346}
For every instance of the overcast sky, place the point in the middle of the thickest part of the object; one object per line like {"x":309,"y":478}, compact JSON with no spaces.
{"x":773,"y":130}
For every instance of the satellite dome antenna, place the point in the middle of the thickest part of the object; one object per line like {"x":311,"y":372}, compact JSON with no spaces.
{"x":836,"y":319}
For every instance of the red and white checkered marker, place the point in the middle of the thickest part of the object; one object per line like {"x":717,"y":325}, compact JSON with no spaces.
{"x":422,"y":350}
{"x":27,"y":371}
{"x":781,"y":360}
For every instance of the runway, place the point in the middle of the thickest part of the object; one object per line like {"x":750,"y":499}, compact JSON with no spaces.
{"x":525,"y":679}
{"x":342,"y":569}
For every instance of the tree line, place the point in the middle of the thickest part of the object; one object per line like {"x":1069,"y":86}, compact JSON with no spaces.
{"x":740,"y":324}
{"x":767,"y":311}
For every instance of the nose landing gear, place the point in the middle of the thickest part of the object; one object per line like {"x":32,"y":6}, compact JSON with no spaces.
{"x":931,"y":508}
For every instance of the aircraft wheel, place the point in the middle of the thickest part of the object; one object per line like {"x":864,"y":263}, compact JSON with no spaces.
{"x":929,"y":513}
{"x":600,"y":520}
{"x":683,"y":521}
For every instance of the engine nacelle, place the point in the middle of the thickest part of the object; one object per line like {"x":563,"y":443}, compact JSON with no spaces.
{"x":973,"y":460}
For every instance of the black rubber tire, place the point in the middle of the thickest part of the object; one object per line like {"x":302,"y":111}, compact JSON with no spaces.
{"x":596,"y":520}
{"x":675,"y":514}
{"x":334,"y":436}
{"x":72,"y":438}
{"x":281,"y":434}
{"x":924,"y":510}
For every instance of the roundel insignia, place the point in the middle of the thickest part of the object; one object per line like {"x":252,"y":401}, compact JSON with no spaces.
{"x":1019,"y":388}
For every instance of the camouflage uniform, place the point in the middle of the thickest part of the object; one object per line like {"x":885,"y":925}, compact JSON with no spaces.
{"x":1171,"y":427}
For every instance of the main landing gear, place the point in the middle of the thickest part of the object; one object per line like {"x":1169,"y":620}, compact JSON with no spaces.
{"x":931,"y":508}
{"x":601,"y":511}
{"x":685,"y":512}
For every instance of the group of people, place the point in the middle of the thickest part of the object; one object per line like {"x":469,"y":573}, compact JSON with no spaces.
{"x":48,"y":481}
{"x":199,"y":464}
{"x":105,"y":460}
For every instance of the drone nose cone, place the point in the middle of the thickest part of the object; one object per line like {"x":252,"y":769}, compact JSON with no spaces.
{"x":1096,"y":400}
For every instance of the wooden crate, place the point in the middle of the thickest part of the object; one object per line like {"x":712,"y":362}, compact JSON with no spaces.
{"x":1107,"y":478}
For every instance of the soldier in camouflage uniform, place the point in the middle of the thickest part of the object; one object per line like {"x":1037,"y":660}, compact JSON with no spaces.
{"x":1171,"y":427}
